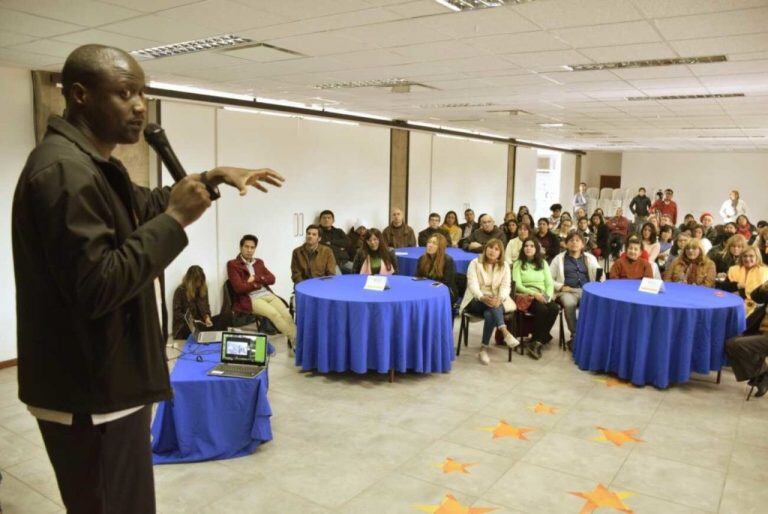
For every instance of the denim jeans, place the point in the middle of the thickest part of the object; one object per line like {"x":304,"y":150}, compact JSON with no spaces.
{"x":494,"y":317}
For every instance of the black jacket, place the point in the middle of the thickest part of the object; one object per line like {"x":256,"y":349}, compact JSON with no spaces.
{"x":640,"y":205}
{"x":336,"y":240}
{"x":428,"y":232}
{"x":87,"y":246}
{"x":448,"y":278}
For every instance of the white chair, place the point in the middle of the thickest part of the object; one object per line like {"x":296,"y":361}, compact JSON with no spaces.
{"x":593,"y":192}
{"x":607,"y":207}
{"x":606,"y":193}
{"x":591,"y":205}
{"x":618,"y":194}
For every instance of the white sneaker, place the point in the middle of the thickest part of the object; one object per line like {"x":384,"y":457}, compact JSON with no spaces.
{"x":483,"y":356}
{"x":511,"y":340}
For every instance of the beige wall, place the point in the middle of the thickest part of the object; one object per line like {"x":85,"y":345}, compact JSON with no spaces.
{"x":594,"y":164}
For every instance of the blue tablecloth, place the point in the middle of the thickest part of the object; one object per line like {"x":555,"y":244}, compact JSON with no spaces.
{"x":342,"y":326}
{"x":406,"y":264}
{"x":210,"y":417}
{"x":655,"y":339}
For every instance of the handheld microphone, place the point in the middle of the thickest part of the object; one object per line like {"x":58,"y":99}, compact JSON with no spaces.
{"x":155,"y":136}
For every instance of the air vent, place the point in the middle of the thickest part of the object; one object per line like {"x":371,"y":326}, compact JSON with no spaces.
{"x":587,"y":133}
{"x":469,"y":5}
{"x":646,"y":63}
{"x":454,"y":105}
{"x":730,"y":137}
{"x":684,"y":97}
{"x":509,"y":112}
{"x":188,"y":47}
{"x":402,"y":84}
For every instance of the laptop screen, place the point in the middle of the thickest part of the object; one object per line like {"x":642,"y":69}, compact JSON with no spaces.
{"x":244,"y":348}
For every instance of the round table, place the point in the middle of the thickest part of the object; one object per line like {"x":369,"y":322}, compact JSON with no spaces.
{"x":657,"y":339}
{"x":342,"y":326}
{"x":408,"y":258}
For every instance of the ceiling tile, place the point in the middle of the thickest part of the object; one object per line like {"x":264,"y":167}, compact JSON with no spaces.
{"x":481,"y":22}
{"x":12,"y":57}
{"x":148,"y":6}
{"x":48,"y":47}
{"x":223,"y":15}
{"x":629,"y":52}
{"x":396,"y":33}
{"x":547,"y":61}
{"x":11,"y":38}
{"x":161,"y":29}
{"x":653,"y":72}
{"x":260,"y":54}
{"x":730,"y":68}
{"x":538,"y":41}
{"x":182,"y":63}
{"x":437,"y":51}
{"x":23,"y":23}
{"x":612,"y":34}
{"x":569,"y":13}
{"x":667,"y":8}
{"x":80,"y":12}
{"x":745,"y":21}
{"x":322,"y":43}
{"x":301,"y":9}
{"x":417,"y":8}
{"x":101,"y":37}
{"x":721,"y":45}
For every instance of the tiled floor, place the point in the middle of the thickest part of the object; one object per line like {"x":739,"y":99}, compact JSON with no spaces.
{"x":349,"y":444}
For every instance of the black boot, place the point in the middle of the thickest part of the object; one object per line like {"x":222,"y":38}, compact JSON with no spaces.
{"x":533,"y":350}
{"x":762,"y":385}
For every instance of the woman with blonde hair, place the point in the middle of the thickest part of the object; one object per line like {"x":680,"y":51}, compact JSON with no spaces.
{"x":437,"y":265}
{"x":749,"y":274}
{"x":729,"y":255}
{"x":192,"y":296}
{"x":489,"y":284}
{"x":692,"y":266}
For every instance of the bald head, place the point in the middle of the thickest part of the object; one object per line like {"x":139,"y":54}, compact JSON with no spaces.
{"x":104,"y":91}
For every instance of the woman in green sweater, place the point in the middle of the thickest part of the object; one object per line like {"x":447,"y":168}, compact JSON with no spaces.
{"x":533,"y":278}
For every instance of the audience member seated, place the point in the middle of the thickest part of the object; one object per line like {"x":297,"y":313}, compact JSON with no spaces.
{"x":747,"y":353}
{"x":745,"y":228}
{"x":480,"y":237}
{"x":250,"y":280}
{"x":650,"y":244}
{"x":398,"y":234}
{"x":762,"y":244}
{"x":570,"y":270}
{"x":601,"y":234}
{"x":374,"y":258}
{"x":312,"y":259}
{"x":630,"y":265}
{"x":356,"y":236}
{"x":698,"y":233}
{"x":437,"y":265}
{"x":512,"y":252}
{"x":451,"y":225}
{"x":708,"y":223}
{"x":469,"y":225}
{"x":580,"y":199}
{"x":666,"y":244}
{"x":733,"y":207}
{"x":433,"y":228}
{"x":554,"y":219}
{"x":534,"y":293}
{"x":619,"y":230}
{"x":488,"y":294}
{"x":522,"y":210}
{"x":527,"y":219}
{"x":336,"y":240}
{"x":640,"y":207}
{"x":599,"y":211}
{"x":666,"y":220}
{"x":666,"y":206}
{"x":688,"y":223}
{"x":565,"y":228}
{"x":692,"y":266}
{"x":548,"y":241}
{"x":749,"y":274}
{"x":678,"y":248}
{"x":589,"y":237}
{"x":192,"y":296}
{"x":580,"y":213}
{"x":510,"y":229}
{"x":727,"y":255}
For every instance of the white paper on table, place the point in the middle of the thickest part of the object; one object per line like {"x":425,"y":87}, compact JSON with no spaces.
{"x":401,"y":253}
{"x":651,"y":285}
{"x":375,"y":283}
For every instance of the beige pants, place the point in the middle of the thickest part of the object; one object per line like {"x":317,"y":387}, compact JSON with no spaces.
{"x":273,"y":308}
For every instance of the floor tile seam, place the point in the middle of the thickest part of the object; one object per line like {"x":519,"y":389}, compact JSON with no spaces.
{"x":436,"y":484}
{"x":733,"y":438}
{"x":614,"y":485}
{"x":725,"y":481}
{"x":42,"y":493}
{"x":273,"y":485}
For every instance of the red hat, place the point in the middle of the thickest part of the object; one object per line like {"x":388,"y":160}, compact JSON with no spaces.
{"x":701,"y":218}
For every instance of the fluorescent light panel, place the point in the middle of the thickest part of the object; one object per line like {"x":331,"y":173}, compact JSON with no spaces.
{"x":648,"y":63}
{"x":188,"y":47}
{"x":684,"y":97}
{"x":470,"y":5}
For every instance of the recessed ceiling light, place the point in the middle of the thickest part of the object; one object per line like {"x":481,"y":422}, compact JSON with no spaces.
{"x":393,"y":83}
{"x":684,"y":97}
{"x":469,"y":5}
{"x":648,"y":63}
{"x":188,"y":47}
{"x":551,"y":125}
{"x":454,"y":105}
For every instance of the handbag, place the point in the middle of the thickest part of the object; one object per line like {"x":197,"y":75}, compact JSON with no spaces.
{"x":523,"y":302}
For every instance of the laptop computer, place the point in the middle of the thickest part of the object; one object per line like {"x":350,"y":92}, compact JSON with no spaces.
{"x":201,"y":336}
{"x":243,"y":355}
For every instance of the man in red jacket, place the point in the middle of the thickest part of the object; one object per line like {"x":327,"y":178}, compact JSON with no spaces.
{"x":250,"y":280}
{"x":667,"y":206}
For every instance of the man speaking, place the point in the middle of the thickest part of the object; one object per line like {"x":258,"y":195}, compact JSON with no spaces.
{"x":88,"y":245}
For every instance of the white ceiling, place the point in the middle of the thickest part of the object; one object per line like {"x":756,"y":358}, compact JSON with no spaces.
{"x":510,"y":57}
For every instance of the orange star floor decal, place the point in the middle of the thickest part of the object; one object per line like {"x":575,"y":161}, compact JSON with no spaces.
{"x":453,"y":466}
{"x":602,"y":497}
{"x":540,"y":408}
{"x":618,"y":437}
{"x":613,"y":382}
{"x":504,"y":429}
{"x":450,"y":505}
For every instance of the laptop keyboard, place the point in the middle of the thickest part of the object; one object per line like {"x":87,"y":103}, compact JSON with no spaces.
{"x":240,"y":370}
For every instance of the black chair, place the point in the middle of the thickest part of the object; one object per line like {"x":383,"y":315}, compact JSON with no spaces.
{"x":466,"y":319}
